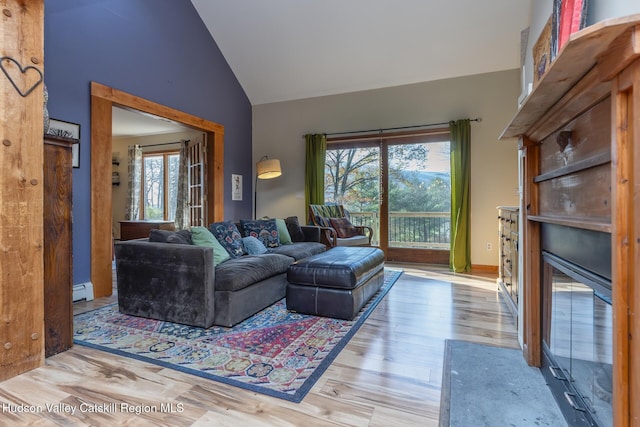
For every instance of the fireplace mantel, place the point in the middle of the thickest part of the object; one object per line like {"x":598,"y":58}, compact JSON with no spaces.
{"x":579,"y":134}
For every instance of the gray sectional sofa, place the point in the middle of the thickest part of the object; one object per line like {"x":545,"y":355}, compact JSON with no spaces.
{"x":179,"y":283}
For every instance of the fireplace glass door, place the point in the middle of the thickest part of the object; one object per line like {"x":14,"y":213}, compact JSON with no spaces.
{"x":578,"y":339}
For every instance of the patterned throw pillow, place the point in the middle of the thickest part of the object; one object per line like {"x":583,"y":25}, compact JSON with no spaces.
{"x":264,"y":230}
{"x":295,"y":231}
{"x":229,"y":237}
{"x":253,"y":246}
{"x":344,"y":228}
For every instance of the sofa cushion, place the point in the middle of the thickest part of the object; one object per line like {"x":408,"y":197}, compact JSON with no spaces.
{"x":229,"y":237}
{"x":201,"y":236}
{"x":295,"y":231}
{"x":253,"y":246}
{"x":300,"y":250}
{"x":283,"y":232}
{"x":264,"y":230}
{"x":239,"y":273}
{"x":182,"y":237}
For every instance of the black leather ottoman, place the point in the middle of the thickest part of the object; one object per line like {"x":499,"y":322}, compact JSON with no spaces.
{"x":336,"y":283}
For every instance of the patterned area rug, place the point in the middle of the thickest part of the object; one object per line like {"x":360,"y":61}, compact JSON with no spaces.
{"x":275,"y":352}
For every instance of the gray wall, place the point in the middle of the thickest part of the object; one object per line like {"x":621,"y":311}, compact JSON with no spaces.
{"x":278,"y":130}
{"x":158,"y":50}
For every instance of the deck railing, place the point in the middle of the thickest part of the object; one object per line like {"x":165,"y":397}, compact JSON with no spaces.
{"x":410,"y":229}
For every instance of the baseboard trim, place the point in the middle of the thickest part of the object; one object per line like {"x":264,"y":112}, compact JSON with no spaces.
{"x":479,"y":268}
{"x":83,"y":291}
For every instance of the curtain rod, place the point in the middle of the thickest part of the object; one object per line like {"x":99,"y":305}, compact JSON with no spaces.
{"x":164,"y":143}
{"x":478,"y":119}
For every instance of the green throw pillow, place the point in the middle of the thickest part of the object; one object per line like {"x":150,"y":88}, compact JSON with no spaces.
{"x":283,"y":232}
{"x":201,"y":236}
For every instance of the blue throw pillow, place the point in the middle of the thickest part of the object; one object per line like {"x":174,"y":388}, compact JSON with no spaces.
{"x":253,"y":246}
{"x":229,"y":237}
{"x":264,"y":230}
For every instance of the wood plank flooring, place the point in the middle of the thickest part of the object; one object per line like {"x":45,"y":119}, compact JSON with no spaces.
{"x":390,"y":373}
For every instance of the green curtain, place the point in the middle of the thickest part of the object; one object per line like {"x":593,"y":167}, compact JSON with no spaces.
{"x":460,"y":253}
{"x":314,"y":169}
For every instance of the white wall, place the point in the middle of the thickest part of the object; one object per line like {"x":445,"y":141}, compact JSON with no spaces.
{"x":120,"y":152}
{"x":278,"y":129}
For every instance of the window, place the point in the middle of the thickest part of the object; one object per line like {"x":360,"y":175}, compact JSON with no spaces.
{"x":159,"y":185}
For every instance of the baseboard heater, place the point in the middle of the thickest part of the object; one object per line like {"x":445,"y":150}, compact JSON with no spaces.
{"x":83,"y":291}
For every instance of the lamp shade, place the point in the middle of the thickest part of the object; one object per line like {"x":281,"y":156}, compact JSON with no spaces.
{"x":268,"y":168}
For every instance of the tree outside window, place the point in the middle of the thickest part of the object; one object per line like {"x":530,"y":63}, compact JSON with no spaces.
{"x":159,"y":185}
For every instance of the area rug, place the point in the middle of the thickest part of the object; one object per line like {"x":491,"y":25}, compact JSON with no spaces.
{"x":274,"y":352}
{"x":483,"y":385}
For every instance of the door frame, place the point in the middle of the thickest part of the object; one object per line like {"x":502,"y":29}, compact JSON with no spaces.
{"x":103,"y":98}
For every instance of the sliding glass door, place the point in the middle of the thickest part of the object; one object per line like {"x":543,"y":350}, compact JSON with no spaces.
{"x":400,"y":186}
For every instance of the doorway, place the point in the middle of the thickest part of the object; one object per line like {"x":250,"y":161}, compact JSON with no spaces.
{"x":103,"y":99}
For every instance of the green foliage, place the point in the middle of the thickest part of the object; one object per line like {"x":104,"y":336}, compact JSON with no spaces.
{"x":352,"y":179}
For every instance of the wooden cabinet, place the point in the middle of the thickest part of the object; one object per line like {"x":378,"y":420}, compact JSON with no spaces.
{"x":140,"y":229}
{"x":579,"y":134}
{"x":508,"y":253}
{"x":58,"y":265}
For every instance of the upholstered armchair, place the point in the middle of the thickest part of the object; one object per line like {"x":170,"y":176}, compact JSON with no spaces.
{"x":336,"y":227}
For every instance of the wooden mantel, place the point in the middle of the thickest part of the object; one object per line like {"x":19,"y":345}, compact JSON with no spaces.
{"x":585,"y":52}
{"x":598,"y":68}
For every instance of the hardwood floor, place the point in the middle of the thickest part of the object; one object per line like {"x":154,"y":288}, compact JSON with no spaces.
{"x":390,"y":373}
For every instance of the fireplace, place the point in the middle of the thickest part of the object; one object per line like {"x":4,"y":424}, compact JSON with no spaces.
{"x":577,"y":323}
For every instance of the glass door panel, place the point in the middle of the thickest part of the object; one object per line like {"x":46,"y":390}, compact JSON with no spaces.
{"x":419,"y":195}
{"x":352,"y":179}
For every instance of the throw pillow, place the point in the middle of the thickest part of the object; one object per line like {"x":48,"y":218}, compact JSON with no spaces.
{"x":203,"y":237}
{"x":283,"y":232}
{"x":229,"y":237}
{"x":253,"y":246}
{"x":181,"y":237}
{"x":344,"y":228}
{"x":295,"y":231}
{"x":264,"y":230}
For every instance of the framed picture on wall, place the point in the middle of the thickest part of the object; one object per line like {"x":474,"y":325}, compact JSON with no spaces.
{"x":236,"y":187}
{"x":67,"y":130}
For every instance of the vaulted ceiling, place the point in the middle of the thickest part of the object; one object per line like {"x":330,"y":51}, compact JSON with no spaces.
{"x":291,"y":49}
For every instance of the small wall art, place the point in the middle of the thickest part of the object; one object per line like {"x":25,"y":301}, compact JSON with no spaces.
{"x":236,"y":187}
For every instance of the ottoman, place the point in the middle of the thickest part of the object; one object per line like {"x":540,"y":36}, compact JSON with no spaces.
{"x":336,"y":283}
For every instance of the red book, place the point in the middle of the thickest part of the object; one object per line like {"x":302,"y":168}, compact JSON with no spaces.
{"x":570,"y":20}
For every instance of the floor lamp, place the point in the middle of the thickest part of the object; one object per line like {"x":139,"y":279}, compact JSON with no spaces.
{"x":266,"y":168}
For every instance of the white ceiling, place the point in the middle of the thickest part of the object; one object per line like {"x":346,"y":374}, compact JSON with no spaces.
{"x":127,"y":123}
{"x":291,"y":49}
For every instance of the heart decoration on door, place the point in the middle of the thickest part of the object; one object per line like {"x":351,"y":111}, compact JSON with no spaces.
{"x":10,"y":66}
